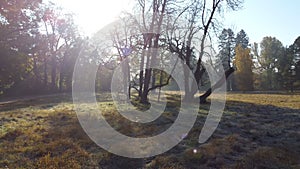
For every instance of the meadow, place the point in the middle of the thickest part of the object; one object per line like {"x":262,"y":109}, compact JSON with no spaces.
{"x":256,"y":131}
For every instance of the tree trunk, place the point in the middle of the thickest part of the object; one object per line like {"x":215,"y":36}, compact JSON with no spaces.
{"x":61,"y":80}
{"x":45,"y":73}
{"x":126,"y":78}
{"x":141,"y":78}
{"x":153,"y":79}
{"x":160,"y":83}
{"x":53,"y":73}
{"x":217,"y":85}
{"x":144,"y":98}
{"x":36,"y":73}
{"x":186,"y":85}
{"x":152,"y":38}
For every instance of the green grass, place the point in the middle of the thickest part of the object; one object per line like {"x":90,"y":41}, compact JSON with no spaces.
{"x":256,"y":130}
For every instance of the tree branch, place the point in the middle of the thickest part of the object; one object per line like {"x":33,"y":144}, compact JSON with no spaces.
{"x":217,"y":85}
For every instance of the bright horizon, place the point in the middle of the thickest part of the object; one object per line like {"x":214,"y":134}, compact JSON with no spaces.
{"x":274,"y":18}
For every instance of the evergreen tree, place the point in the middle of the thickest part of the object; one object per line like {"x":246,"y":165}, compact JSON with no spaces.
{"x":242,"y":39}
{"x":226,"y":47}
{"x":225,"y":57}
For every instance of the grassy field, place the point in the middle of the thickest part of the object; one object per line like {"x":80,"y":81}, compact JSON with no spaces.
{"x":256,"y":131}
{"x":279,"y":100}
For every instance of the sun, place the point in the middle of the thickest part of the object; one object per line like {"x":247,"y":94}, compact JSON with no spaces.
{"x":92,"y":15}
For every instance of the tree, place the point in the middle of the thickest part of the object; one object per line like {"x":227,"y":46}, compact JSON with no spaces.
{"x":135,"y":37}
{"x":284,"y":66}
{"x":18,"y":20}
{"x":208,"y":19}
{"x":60,"y":33}
{"x":271,"y":51}
{"x":161,"y":24}
{"x":296,"y":52}
{"x":205,"y":22}
{"x":34,"y":38}
{"x":18,"y":28}
{"x":244,"y":65}
{"x":242,"y":39}
{"x":292,"y":70}
{"x":184,"y":41}
{"x":67,"y":64}
{"x":227,"y":43}
{"x":13,"y":68}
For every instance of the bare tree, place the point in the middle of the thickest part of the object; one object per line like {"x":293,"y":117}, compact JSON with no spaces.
{"x":172,"y":25}
{"x":154,"y":12}
{"x":201,"y":17}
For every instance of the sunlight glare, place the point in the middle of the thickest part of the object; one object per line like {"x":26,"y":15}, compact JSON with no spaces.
{"x":92,"y":15}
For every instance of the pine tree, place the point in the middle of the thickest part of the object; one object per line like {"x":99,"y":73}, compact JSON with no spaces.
{"x":242,"y":39}
{"x":226,"y":54}
{"x":226,"y":47}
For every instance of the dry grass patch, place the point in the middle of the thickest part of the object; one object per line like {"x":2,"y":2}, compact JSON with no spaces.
{"x":45,"y":133}
{"x":271,"y":158}
{"x":278,"y":100}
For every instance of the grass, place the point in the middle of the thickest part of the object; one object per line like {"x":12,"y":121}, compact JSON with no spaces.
{"x":257,"y":130}
{"x":266,"y":157}
{"x":279,"y":100}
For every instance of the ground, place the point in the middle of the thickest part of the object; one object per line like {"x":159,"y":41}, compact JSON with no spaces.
{"x":256,"y":131}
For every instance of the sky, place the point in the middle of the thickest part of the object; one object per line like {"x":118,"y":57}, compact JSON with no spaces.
{"x":259,"y":18}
